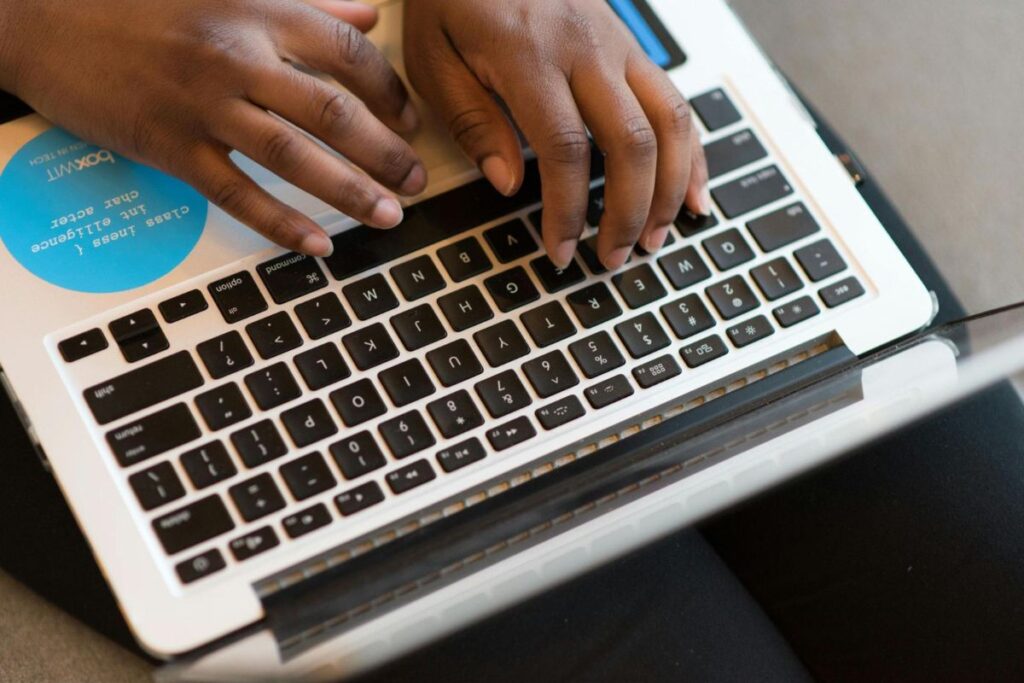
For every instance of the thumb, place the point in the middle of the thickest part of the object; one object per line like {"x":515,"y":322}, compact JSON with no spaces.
{"x":363,"y":17}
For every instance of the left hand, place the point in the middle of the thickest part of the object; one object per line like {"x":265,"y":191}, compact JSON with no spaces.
{"x":562,"y":67}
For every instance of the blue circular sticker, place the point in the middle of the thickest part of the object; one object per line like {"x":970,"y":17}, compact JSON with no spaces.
{"x":86,"y":219}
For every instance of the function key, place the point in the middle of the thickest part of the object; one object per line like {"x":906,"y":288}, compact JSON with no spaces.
{"x":358,"y":402}
{"x":191,"y":525}
{"x":560,"y":412}
{"x":273,"y":386}
{"x":548,"y":324}
{"x":796,"y":311}
{"x":465,"y":308}
{"x":223,"y":407}
{"x":596,"y":355}
{"x":732,"y":297}
{"x":609,"y":391}
{"x":82,"y":345}
{"x":556,"y":279}
{"x":237,"y":297}
{"x":309,"y":423}
{"x":820,"y":260}
{"x":322,"y":316}
{"x":257,"y":497}
{"x":639,"y":286}
{"x":776,"y":279}
{"x":307,"y":476}
{"x":464,"y":259}
{"x":752,"y":191}
{"x":322,"y":366}
{"x":359,"y":498}
{"x":156,"y":485}
{"x":455,"y":414}
{"x":253,"y":543}
{"x":183,"y":306}
{"x":715,"y":109}
{"x":511,"y":433}
{"x":728,"y":249}
{"x":750,"y":331}
{"x":512,"y":289}
{"x":841,"y":292}
{"x":656,"y":371}
{"x":782,"y":227}
{"x":306,"y":521}
{"x":503,"y":394}
{"x":460,"y":455}
{"x":370,"y":297}
{"x":703,"y":351}
{"x":417,"y":278}
{"x":410,"y":476}
{"x":208,"y":465}
{"x":259,"y":443}
{"x":152,"y":435}
{"x":684,"y":268}
{"x":511,"y":241}
{"x":225,"y":355}
{"x":418,"y":327}
{"x":733,"y":152}
{"x":291,"y":276}
{"x":143,"y":387}
{"x":688,"y":316}
{"x":358,"y":455}
{"x":550,"y":374}
{"x":407,"y":382}
{"x":454,"y":363}
{"x":406,"y":434}
{"x":642,"y":335}
{"x":690,"y":223}
{"x":201,"y":566}
{"x":594,"y":305}
{"x":501,"y":343}
{"x":370,"y":346}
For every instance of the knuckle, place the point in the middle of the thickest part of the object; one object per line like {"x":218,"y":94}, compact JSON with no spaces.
{"x":349,"y":43}
{"x":355,"y":198}
{"x":469,"y":127}
{"x":280,"y":150}
{"x":338,"y":112}
{"x":678,"y":115}
{"x":569,"y":146}
{"x":231,"y":196}
{"x":638,"y":138}
{"x":396,"y":162}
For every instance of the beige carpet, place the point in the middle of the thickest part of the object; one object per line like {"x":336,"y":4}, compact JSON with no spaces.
{"x":928,"y":93}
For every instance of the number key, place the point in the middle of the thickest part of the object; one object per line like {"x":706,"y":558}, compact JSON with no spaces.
{"x":550,"y":374}
{"x":596,"y":355}
{"x":503,"y":394}
{"x":732,"y":297}
{"x":455,"y":414}
{"x":406,"y":434}
{"x":642,"y":335}
{"x":358,"y":455}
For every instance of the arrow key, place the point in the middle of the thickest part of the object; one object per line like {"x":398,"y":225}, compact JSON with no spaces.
{"x":82,"y":345}
{"x":183,"y":306}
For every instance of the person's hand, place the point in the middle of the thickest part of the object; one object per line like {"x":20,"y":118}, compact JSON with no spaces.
{"x":561,"y":67}
{"x":178,"y":84}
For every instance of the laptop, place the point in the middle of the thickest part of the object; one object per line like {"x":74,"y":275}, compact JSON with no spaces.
{"x":299,"y":467}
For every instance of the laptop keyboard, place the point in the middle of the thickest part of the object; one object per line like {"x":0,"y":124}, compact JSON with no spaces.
{"x":325,"y":388}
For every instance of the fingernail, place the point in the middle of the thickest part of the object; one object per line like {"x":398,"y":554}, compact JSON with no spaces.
{"x":704,"y":202}
{"x":387,"y":213}
{"x":409,"y":119}
{"x":317,"y":244}
{"x":415,"y":182}
{"x":500,"y":174}
{"x":617,"y":258}
{"x":564,"y":253}
{"x":655,"y":239}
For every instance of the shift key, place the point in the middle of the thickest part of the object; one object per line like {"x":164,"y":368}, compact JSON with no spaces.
{"x":143,"y":387}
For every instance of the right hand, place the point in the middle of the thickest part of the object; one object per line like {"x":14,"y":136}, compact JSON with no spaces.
{"x":179,"y":84}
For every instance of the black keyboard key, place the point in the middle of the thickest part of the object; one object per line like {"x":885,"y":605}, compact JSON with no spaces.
{"x":191,"y":525}
{"x":594,"y":305}
{"x":322,"y":366}
{"x":272,"y":386}
{"x":200,"y":567}
{"x":684,"y":268}
{"x":751,"y":192}
{"x":465,"y":308}
{"x":358,"y":402}
{"x":274,"y":335}
{"x":548,"y":324}
{"x":406,"y":434}
{"x":454,"y":363}
{"x":820,"y":260}
{"x":654,"y":372}
{"x":322,"y":316}
{"x":796,"y":312}
{"x":776,"y":279}
{"x":642,"y":335}
{"x":715,"y":109}
{"x":501,"y":343}
{"x":138,"y":324}
{"x":418,"y":327}
{"x":690,"y":223}
{"x":253,"y":543}
{"x":370,"y":297}
{"x":306,"y":521}
{"x":410,"y":476}
{"x":82,"y":345}
{"x":142,"y":347}
{"x":257,"y":497}
{"x":728,"y":249}
{"x":143,"y":387}
{"x":609,"y":391}
{"x":595,"y":206}
{"x":688,"y":316}
{"x":733,"y":152}
{"x":152,"y":435}
{"x":237,"y":297}
{"x":561,"y":412}
{"x":587,"y":249}
{"x":510,"y":241}
{"x":208,"y":465}
{"x":291,"y":276}
{"x":464,"y":259}
{"x":370,"y":346}
{"x":309,"y":423}
{"x":156,"y":485}
{"x":703,"y":351}
{"x":732,"y":297}
{"x":359,"y":498}
{"x":597,"y":355}
{"x":358,"y":455}
{"x":259,"y":443}
{"x":307,"y":476}
{"x":223,"y":407}
{"x":782,"y":227}
{"x":455,"y":414}
{"x":417,"y":278}
{"x":556,"y":279}
{"x":639,"y":286}
{"x":512,"y":289}
{"x":841,"y":292}
{"x":407,"y":382}
{"x":503,"y":394}
{"x":183,"y":306}
{"x":225,"y":355}
{"x":751,"y":331}
{"x":550,"y":374}
{"x":511,"y":433}
{"x":461,"y":455}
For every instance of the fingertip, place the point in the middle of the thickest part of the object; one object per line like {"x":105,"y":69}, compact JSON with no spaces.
{"x":415,"y":182}
{"x":653,"y":240}
{"x":387,"y":213}
{"x":316,"y":244}
{"x":617,"y":258}
{"x":563,"y":253}
{"x":500,"y":174}
{"x":409,"y":119}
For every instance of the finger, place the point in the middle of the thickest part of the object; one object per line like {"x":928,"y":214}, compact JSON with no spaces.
{"x":624,"y":133}
{"x":669,"y":115}
{"x":476,"y":122}
{"x":544,"y":108}
{"x":338,"y":49}
{"x":363,"y":17}
{"x":343,"y":122}
{"x":288,"y":153}
{"x":212,"y":172}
